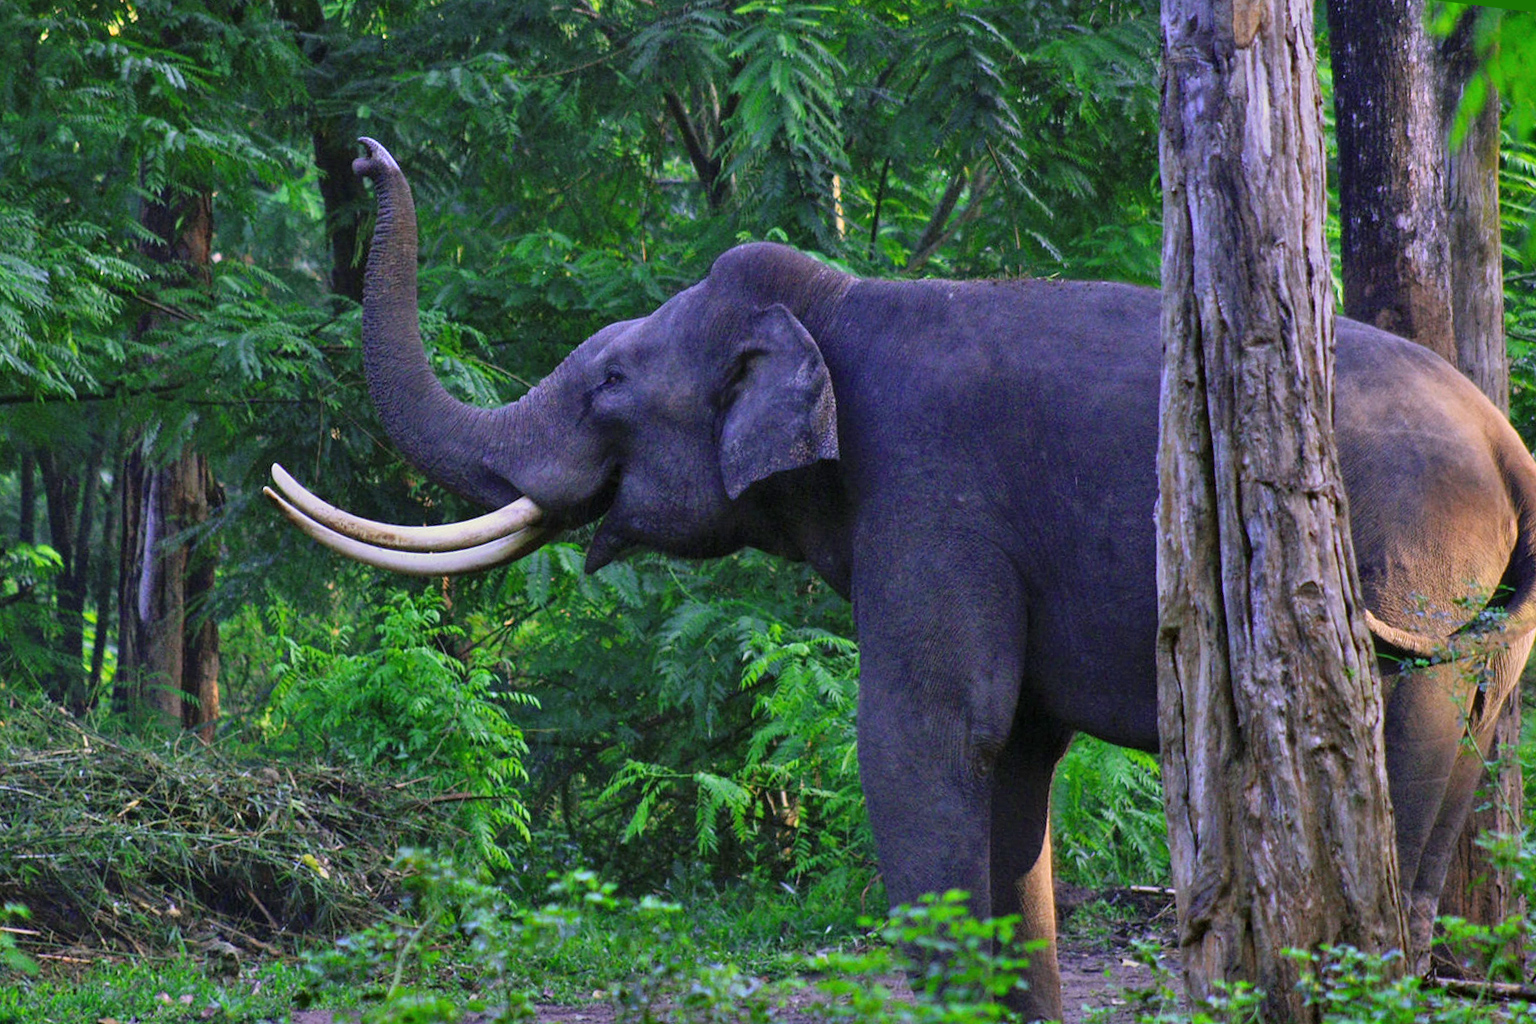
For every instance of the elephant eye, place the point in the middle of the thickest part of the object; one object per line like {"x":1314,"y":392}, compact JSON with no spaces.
{"x":614,"y":377}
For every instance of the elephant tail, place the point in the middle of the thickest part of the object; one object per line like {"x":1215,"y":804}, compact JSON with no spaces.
{"x":1511,"y":612}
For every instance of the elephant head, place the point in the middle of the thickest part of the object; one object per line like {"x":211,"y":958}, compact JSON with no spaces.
{"x":660,"y":426}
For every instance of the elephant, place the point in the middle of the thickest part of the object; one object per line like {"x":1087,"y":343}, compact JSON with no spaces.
{"x":973,"y":465}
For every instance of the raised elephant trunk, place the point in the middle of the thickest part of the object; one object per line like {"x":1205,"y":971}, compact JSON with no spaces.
{"x":436,"y":432}
{"x":444,"y":437}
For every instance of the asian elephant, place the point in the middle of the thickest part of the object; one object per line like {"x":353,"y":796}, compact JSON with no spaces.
{"x":973,"y":464}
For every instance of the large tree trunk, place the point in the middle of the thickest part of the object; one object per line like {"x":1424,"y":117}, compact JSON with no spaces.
{"x":1422,"y":257}
{"x":1270,"y":711}
{"x":168,"y":652}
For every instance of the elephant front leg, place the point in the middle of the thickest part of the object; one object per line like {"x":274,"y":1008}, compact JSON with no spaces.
{"x":950,"y":800}
{"x":950,"y":813}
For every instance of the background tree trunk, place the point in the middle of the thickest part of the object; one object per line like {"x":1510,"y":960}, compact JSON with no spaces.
{"x":168,"y":651}
{"x":1392,"y":212}
{"x":1422,"y":257}
{"x":1270,"y":711}
{"x":26,"y":515}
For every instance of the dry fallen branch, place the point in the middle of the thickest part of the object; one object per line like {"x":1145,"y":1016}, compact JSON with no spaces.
{"x":1504,"y":991}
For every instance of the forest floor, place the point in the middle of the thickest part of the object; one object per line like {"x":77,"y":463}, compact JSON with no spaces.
{"x":1102,"y":966}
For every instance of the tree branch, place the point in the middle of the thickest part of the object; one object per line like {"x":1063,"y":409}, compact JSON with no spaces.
{"x":705,"y":164}
{"x":940,"y":228}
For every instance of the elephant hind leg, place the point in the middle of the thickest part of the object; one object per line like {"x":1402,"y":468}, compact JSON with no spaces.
{"x":1021,"y":871}
{"x":1440,"y":723}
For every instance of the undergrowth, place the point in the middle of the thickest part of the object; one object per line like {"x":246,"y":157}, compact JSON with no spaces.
{"x":149,"y":847}
{"x":657,"y":963}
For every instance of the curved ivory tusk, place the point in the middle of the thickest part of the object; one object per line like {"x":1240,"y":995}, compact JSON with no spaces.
{"x":416,"y":563}
{"x":519,"y":515}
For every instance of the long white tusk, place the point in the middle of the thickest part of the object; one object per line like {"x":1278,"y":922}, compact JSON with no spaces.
{"x":519,"y":515}
{"x":416,"y":563}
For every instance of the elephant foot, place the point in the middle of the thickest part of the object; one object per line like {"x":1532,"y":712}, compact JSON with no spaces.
{"x":1422,"y":909}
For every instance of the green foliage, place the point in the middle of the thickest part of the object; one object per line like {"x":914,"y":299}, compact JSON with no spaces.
{"x":649,"y":727}
{"x":28,"y":627}
{"x":57,"y":297}
{"x":1107,"y":815}
{"x":797,"y":784}
{"x":12,"y":959}
{"x":1353,"y":987}
{"x":1517,"y":200}
{"x":408,"y":705}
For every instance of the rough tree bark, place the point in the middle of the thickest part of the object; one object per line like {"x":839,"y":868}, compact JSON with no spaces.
{"x":1270,"y":712}
{"x":1393,"y":240}
{"x":1421,"y":257}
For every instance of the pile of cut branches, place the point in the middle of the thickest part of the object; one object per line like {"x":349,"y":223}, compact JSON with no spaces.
{"x":141,"y":847}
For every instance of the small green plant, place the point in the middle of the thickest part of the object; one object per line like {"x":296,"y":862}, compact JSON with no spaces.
{"x":959,"y":966}
{"x":410,"y":707}
{"x":12,"y":959}
{"x":453,"y":922}
{"x":1359,"y":988}
{"x":29,"y":627}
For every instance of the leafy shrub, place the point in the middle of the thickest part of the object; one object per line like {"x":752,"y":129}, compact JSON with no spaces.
{"x":796,"y":789}
{"x":407,"y":705}
{"x":647,"y":729}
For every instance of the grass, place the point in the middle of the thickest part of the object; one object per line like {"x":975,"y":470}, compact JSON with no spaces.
{"x":179,"y":991}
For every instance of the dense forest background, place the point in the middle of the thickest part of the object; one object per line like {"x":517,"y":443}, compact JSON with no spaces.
{"x":181,"y":240}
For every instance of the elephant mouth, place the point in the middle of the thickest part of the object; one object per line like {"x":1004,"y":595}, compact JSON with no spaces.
{"x":499,"y":537}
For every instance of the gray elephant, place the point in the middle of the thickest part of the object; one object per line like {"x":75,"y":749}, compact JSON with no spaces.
{"x":973,"y":464}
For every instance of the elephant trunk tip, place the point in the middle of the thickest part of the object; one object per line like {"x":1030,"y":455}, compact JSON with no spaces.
{"x":377,"y":164}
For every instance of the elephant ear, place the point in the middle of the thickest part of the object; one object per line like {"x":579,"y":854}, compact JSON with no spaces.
{"x":779,"y":412}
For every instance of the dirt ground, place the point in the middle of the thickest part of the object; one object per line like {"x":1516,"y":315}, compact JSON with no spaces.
{"x":1099,"y":964}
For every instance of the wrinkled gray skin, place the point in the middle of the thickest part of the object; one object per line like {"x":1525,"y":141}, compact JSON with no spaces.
{"x":973,"y":464}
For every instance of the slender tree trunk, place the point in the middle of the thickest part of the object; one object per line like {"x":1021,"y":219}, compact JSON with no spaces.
{"x":344,"y":198}
{"x":335,"y":144}
{"x":102,"y":586}
{"x":1270,"y":711}
{"x":174,"y":666}
{"x":71,"y":491}
{"x":26,"y":519}
{"x":128,"y":683}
